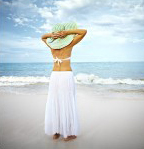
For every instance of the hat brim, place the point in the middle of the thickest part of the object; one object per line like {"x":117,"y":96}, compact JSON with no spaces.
{"x":60,"y":42}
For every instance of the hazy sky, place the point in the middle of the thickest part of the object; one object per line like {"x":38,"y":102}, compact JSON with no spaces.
{"x":115,"y":29}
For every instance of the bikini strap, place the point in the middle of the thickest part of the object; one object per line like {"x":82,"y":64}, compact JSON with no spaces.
{"x":66,"y":58}
{"x":60,"y":60}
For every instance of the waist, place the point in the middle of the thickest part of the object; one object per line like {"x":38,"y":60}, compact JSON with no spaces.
{"x":63,"y":71}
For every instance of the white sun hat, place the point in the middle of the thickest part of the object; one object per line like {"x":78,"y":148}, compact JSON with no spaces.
{"x":62,"y":42}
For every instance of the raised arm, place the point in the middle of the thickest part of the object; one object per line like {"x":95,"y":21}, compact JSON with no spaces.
{"x":48,"y":35}
{"x":77,"y":31}
{"x":80,"y":34}
{"x":45,"y":36}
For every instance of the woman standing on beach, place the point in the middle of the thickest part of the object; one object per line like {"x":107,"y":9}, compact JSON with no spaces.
{"x":61,"y":115}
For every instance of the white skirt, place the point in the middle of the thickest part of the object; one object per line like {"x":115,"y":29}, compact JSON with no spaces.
{"x":61,"y":113}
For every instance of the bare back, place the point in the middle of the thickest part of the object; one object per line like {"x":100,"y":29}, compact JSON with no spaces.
{"x":62,"y":54}
{"x":65,"y":53}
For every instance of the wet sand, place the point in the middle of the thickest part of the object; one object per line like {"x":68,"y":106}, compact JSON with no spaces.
{"x":107,"y":121}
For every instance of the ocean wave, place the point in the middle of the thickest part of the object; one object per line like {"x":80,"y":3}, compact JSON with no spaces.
{"x":93,"y":79}
{"x":21,"y":81}
{"x":80,"y":78}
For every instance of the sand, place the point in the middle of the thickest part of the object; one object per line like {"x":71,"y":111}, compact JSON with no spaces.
{"x":108,"y":121}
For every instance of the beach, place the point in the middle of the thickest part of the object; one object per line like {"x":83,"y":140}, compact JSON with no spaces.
{"x":110,"y":99}
{"x":104,"y":43}
{"x":108,"y":120}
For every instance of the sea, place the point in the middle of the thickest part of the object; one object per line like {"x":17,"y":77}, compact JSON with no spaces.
{"x":125,"y":77}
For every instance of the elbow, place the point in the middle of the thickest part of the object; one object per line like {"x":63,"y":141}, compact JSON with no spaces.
{"x":85,"y":32}
{"x":42,"y":38}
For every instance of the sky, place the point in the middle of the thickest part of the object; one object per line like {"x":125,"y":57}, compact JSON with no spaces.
{"x":115,"y":29}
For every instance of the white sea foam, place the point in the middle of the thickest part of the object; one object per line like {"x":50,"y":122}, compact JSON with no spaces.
{"x":80,"y":78}
{"x":20,"y":81}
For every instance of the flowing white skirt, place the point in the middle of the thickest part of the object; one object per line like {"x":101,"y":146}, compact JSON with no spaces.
{"x":61,"y":113}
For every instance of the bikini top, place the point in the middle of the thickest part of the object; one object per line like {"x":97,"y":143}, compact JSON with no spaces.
{"x":60,"y":60}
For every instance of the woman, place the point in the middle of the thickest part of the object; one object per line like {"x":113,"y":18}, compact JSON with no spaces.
{"x":61,"y":117}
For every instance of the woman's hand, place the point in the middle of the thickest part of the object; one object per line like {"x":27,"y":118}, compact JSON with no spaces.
{"x":63,"y":34}
{"x":55,"y":35}
{"x":60,"y":34}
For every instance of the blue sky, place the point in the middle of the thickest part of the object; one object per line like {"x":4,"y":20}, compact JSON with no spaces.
{"x":115,"y":29}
